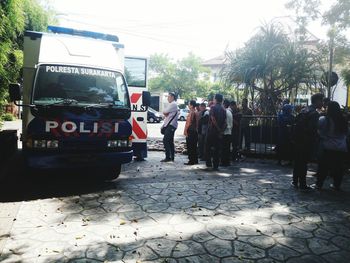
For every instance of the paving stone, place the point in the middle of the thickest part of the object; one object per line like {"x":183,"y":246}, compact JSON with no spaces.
{"x":321,"y":246}
{"x":202,"y":237}
{"x":253,"y":216}
{"x":199,"y":259}
{"x":219,"y":248}
{"x":261,"y":241}
{"x":246,"y":251}
{"x":321,"y":233}
{"x":282,"y":253}
{"x":247,"y":230}
{"x":187,"y":248}
{"x":338,"y":257}
{"x":297,"y":244}
{"x":291,"y":231}
{"x":341,"y":242}
{"x":284,"y":219}
{"x":140,"y":254}
{"x":237,"y":260}
{"x":104,"y":253}
{"x":307,"y":259}
{"x":224,"y":232}
{"x":163,"y":247}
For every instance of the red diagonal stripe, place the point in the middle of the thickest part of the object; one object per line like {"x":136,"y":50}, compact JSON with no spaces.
{"x":135,"y":97}
{"x":137,"y":130}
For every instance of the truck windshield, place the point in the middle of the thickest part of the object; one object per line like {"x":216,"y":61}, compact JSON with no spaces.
{"x":83,"y":86}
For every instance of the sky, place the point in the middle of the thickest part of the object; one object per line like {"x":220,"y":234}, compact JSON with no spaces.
{"x":176,"y":27}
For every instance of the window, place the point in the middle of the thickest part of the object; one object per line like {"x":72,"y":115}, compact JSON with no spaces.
{"x":135,"y":72}
{"x":55,"y":83}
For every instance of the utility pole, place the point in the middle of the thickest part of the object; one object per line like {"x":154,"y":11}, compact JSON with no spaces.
{"x":331,"y":55}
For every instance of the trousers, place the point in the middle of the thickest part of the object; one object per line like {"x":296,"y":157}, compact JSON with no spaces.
{"x":213,"y":150}
{"x":191,"y":141}
{"x":168,"y":141}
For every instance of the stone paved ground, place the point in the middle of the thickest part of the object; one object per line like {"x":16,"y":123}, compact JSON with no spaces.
{"x":172,"y":213}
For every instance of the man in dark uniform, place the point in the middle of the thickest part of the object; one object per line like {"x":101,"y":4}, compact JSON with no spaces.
{"x":216,"y":127}
{"x":306,"y":140}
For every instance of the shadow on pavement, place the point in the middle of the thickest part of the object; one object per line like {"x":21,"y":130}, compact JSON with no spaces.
{"x":19,"y":184}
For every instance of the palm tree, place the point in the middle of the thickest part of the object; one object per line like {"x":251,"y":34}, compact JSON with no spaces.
{"x":271,"y":65}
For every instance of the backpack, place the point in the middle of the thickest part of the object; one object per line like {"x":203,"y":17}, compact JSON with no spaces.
{"x":304,"y":130}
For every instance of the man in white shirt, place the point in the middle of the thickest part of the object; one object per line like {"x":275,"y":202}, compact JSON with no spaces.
{"x":170,"y":125}
{"x":227,"y":139}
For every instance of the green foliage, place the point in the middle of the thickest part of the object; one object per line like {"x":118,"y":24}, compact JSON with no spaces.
{"x":16,"y":16}
{"x":346,"y":76}
{"x":270,"y":65}
{"x":187,"y":76}
{"x":8,"y":117}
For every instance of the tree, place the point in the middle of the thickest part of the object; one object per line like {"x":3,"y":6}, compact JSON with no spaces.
{"x":16,"y":16}
{"x":337,"y":18}
{"x":270,"y":65}
{"x":186,"y":77}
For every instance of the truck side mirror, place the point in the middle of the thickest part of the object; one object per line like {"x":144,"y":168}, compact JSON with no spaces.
{"x":146,"y":98}
{"x":15,"y":92}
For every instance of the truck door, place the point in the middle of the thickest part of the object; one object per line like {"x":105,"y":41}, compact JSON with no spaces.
{"x":136,"y":76}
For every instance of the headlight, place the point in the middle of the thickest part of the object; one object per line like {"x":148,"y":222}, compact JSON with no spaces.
{"x":39,"y":143}
{"x":52,"y":144}
{"x":112,"y":144}
{"x":123,"y":143}
{"x":119,"y":143}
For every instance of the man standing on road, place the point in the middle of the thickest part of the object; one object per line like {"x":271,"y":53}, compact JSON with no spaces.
{"x":245,"y":121}
{"x":306,"y":140}
{"x":170,"y":126}
{"x":227,"y":139}
{"x":191,"y":134}
{"x":216,"y":127}
{"x":202,"y":130}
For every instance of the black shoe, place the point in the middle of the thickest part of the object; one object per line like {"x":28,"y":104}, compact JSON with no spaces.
{"x":334,"y":188}
{"x":316,"y":187}
{"x":293,"y":184}
{"x":189,"y":163}
{"x":208,"y":165}
{"x":166,"y":160}
{"x":216,"y":169}
{"x":305,"y":188}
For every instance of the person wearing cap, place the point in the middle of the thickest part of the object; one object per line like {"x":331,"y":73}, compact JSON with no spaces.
{"x":216,"y":128}
{"x":170,"y":124}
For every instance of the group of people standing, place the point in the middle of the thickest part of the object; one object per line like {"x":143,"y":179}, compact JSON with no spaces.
{"x":214,"y":135}
{"x":321,"y":132}
{"x":210,"y":133}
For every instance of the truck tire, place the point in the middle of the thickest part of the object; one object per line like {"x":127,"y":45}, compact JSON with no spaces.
{"x":182,"y":118}
{"x":151,"y":119}
{"x":110,"y":174}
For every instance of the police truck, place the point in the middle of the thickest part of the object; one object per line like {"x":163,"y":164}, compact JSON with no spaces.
{"x":76,"y":101}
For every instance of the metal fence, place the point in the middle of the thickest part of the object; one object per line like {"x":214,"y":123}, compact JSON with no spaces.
{"x":258,"y":134}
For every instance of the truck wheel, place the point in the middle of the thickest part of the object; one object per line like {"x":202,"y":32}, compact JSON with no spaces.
{"x":151,"y":119}
{"x":111,"y":173}
{"x":182,"y":118}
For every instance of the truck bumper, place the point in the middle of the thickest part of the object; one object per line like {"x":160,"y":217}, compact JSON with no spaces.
{"x":77,"y":160}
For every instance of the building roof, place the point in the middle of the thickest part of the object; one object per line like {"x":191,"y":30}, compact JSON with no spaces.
{"x":220,"y":60}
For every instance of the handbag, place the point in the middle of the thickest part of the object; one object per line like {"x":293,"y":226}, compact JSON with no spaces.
{"x":162,"y":130}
